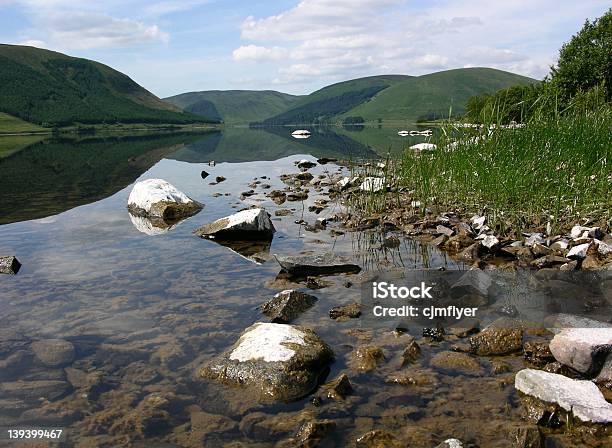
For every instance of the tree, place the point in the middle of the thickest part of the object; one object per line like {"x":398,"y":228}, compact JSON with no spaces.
{"x":586,"y":60}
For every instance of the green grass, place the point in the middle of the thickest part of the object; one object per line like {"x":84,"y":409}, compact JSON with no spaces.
{"x":433,"y":96}
{"x":10,"y":144}
{"x":53,"y":89}
{"x":10,"y":124}
{"x":234,"y":106}
{"x":554,"y":170}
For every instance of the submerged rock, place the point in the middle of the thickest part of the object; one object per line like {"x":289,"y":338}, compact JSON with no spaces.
{"x":501,"y":337}
{"x":249,"y":224}
{"x":351,"y":311}
{"x":366,"y":358}
{"x":323,"y":264}
{"x":310,"y":433}
{"x":53,"y":352}
{"x":9,"y":265}
{"x":338,"y":388}
{"x":282,"y":361}
{"x":582,"y":349}
{"x":305,"y":164}
{"x":377,"y":439}
{"x":156,"y":198}
{"x":287,"y":305}
{"x":457,"y":362}
{"x":578,"y":397}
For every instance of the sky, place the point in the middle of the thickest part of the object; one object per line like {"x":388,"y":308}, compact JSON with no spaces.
{"x":176,"y":46}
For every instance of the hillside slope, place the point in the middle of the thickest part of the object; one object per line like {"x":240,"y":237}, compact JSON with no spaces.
{"x":234,"y":106}
{"x":333,"y":100}
{"x":50,"y":88}
{"x":431,"y":96}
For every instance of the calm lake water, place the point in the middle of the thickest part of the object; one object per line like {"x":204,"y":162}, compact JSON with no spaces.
{"x":145,"y":312}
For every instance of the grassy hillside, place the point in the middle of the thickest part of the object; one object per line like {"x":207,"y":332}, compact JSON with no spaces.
{"x":431,"y":96}
{"x":52,"y":89}
{"x":335,"y":99}
{"x":234,"y":106}
{"x":9,"y":124}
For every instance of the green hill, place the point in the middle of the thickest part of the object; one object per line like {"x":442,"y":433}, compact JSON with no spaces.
{"x":334,"y":100}
{"x":234,"y":106}
{"x":52,"y":89}
{"x":431,"y":96}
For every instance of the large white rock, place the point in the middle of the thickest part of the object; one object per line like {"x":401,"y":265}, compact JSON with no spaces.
{"x":582,"y":349}
{"x":268,"y":342}
{"x":582,"y":398}
{"x":247,"y":224}
{"x":424,"y":147}
{"x":160,"y":199}
{"x":579,"y":251}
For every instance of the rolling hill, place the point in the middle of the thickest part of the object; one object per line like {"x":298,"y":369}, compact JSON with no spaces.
{"x":334,"y":100}
{"x":51,"y":89}
{"x":234,"y":106}
{"x":431,"y":96}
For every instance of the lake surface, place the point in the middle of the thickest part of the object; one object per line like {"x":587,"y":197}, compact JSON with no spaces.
{"x":145,"y":312}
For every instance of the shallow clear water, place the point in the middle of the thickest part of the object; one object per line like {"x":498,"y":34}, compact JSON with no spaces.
{"x":144,"y":312}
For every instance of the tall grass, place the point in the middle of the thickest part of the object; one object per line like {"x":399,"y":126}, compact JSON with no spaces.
{"x":555,"y":169}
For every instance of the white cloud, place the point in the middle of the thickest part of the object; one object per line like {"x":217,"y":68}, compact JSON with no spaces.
{"x":256,"y":53}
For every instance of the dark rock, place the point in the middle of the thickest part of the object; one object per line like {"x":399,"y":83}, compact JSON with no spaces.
{"x":391,"y":242}
{"x":326,"y":160}
{"x":411,"y":353}
{"x":323,"y":264}
{"x":366,"y":358}
{"x":350,"y":311}
{"x":297,"y":196}
{"x":282,"y":212}
{"x":443,"y":230}
{"x":287,"y":305}
{"x":501,"y":337}
{"x":377,"y":439}
{"x":282,"y":361}
{"x":339,"y":388}
{"x":435,"y":334}
{"x":305,"y":164}
{"x":9,"y":265}
{"x":219,"y":179}
{"x":34,"y":390}
{"x":457,"y":362}
{"x":537,"y":353}
{"x":311,"y":433}
{"x":527,"y":437}
{"x":204,"y":174}
{"x":305,"y":177}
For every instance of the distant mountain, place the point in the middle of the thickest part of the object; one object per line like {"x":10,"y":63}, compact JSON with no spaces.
{"x":334,"y":100}
{"x":431,"y":96}
{"x":52,"y":89}
{"x":234,"y":106}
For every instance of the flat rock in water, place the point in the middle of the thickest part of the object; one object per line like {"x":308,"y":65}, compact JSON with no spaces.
{"x":249,"y":224}
{"x":582,"y":398}
{"x":287,"y":305}
{"x":501,"y":337}
{"x":582,"y":349}
{"x":156,"y":198}
{"x":282,"y":361}
{"x":34,"y":390}
{"x":323,"y":264}
{"x":9,"y":265}
{"x":53,"y":352}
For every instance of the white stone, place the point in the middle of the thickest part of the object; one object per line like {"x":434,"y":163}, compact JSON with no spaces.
{"x":535,"y":238}
{"x":347,"y":182}
{"x":267,"y":342}
{"x":372,"y":184}
{"x":251,"y":220}
{"x":489,"y":241}
{"x":576,"y":347}
{"x":603,"y":248}
{"x":580,"y":397}
{"x":579,"y":251}
{"x":556,"y":323}
{"x":451,"y":443}
{"x":424,"y":147}
{"x":478,"y":221}
{"x":579,"y":231}
{"x":151,"y":191}
{"x":559,"y":245}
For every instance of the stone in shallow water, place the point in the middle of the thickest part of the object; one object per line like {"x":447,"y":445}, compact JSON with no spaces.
{"x":53,"y":352}
{"x":9,"y":265}
{"x":282,"y":361}
{"x":582,"y":349}
{"x":287,"y":305}
{"x":580,"y":397}
{"x":156,"y":198}
{"x":501,"y":337}
{"x":316,"y":264}
{"x":249,"y":224}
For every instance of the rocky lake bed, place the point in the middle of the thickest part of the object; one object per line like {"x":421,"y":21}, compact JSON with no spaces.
{"x":237,"y":320}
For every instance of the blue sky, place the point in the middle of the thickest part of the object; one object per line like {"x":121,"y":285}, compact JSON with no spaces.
{"x":175,"y":46}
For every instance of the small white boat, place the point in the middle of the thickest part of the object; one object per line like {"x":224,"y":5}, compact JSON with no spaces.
{"x":300,"y":132}
{"x":427,"y":133}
